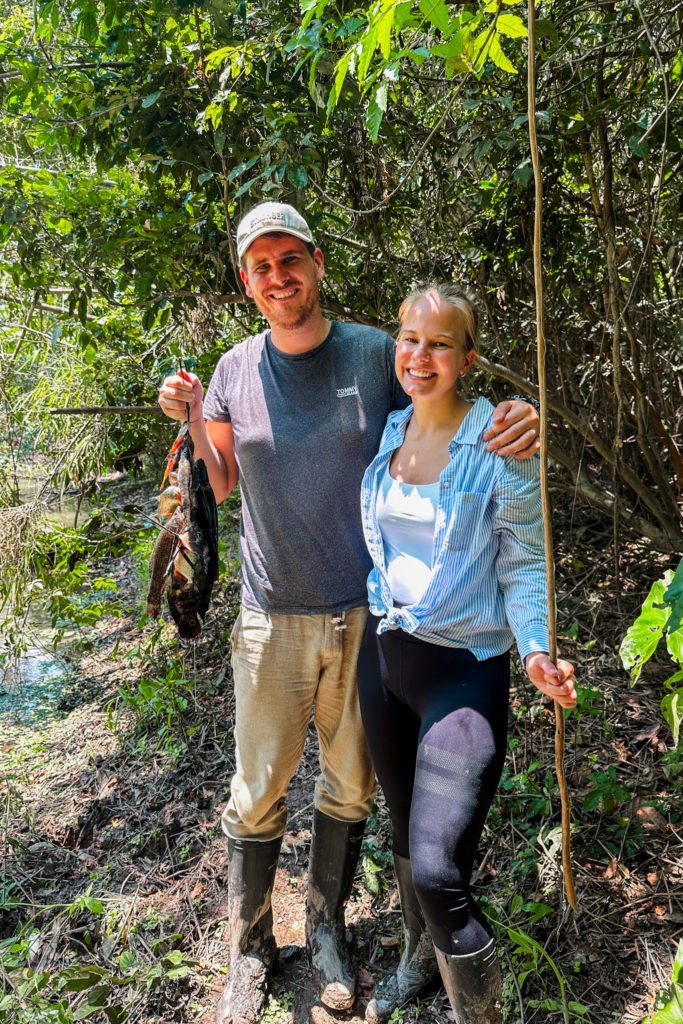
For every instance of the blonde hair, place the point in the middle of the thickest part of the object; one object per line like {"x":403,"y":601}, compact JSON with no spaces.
{"x":455,"y":296}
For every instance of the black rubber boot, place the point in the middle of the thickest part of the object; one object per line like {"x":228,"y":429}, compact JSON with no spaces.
{"x":335,"y":848}
{"x":251,"y":874}
{"x":418,"y":966}
{"x":473,"y":985}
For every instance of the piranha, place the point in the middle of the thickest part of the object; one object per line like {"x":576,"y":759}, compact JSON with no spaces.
{"x":184,"y":560}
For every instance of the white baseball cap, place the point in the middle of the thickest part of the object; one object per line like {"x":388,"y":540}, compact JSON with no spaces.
{"x":267,"y":217}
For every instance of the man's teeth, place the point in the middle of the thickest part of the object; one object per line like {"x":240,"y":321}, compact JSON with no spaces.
{"x":284,"y":295}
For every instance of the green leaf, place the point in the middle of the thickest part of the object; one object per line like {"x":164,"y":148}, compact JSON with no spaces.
{"x":148,"y":689}
{"x":524,"y":172}
{"x":368,"y":46}
{"x":546,"y":29}
{"x":436,"y":12}
{"x":95,"y":1002}
{"x":495,"y":53}
{"x":87,"y":25}
{"x":538,"y":910}
{"x":453,"y":48}
{"x":178,"y":972}
{"x":297,"y":176}
{"x":384,"y":26}
{"x":78,"y":979}
{"x":638,"y":148}
{"x":341,"y":71}
{"x":669,"y":1003}
{"x":511,"y":25}
{"x":670,"y":1008}
{"x":217,"y":57}
{"x":242,"y":167}
{"x":675,"y":678}
{"x":643,"y":636}
{"x":246,"y":186}
{"x":115,"y":1014}
{"x":175,"y":956}
{"x":311,"y":9}
{"x":94,"y":905}
{"x":673,"y":596}
{"x":150,"y":100}
{"x":674,"y":644}
{"x":677,"y":67}
{"x":677,"y":975}
{"x":376,"y":110}
{"x":672,"y":709}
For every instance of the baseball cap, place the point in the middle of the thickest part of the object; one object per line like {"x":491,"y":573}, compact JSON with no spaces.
{"x":267,"y":217}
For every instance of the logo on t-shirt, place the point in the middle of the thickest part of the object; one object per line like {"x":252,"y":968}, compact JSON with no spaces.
{"x":345,"y":392}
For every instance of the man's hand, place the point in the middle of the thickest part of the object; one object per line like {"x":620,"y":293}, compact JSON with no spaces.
{"x":514,"y":431}
{"x":179,"y":391}
{"x":555,"y":681}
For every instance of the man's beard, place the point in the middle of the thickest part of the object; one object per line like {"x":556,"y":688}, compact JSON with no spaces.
{"x":292,"y":320}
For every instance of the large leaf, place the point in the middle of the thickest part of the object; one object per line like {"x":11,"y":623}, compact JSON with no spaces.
{"x":511,"y":25}
{"x":673,"y":596}
{"x":643,"y":636}
{"x":436,"y":12}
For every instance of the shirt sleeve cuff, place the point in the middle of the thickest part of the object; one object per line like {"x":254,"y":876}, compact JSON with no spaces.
{"x":534,"y":637}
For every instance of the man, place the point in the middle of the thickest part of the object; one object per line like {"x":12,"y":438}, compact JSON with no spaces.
{"x":296,"y":413}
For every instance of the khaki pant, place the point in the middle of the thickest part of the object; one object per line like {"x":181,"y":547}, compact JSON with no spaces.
{"x":283,"y":666}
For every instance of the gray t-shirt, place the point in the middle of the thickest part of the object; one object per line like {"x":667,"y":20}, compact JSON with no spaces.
{"x":305,"y":428}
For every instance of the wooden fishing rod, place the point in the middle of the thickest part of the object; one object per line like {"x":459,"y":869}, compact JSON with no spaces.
{"x":545,"y":495}
{"x":109,"y":410}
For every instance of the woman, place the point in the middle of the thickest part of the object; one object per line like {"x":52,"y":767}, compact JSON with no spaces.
{"x":456,"y":538}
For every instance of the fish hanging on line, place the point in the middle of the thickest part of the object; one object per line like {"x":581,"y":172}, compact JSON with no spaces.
{"x":184,"y":560}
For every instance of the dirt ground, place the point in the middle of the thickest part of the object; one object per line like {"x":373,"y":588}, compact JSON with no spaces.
{"x":115,"y":863}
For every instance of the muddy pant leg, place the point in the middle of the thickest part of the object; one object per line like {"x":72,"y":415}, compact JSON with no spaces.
{"x":345,"y":788}
{"x":276,"y":667}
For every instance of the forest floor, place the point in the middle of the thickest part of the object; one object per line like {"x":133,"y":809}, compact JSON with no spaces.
{"x":114,"y":874}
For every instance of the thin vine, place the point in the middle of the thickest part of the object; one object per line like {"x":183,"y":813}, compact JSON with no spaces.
{"x":545,"y":494}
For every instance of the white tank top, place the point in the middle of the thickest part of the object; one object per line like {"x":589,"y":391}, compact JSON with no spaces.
{"x":407,"y":518}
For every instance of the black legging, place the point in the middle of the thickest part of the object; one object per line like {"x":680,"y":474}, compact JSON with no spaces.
{"x":436,"y":723}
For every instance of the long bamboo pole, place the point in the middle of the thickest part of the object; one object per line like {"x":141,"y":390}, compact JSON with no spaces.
{"x":545,"y":495}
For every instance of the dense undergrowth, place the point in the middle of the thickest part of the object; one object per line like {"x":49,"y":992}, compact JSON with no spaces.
{"x":113,"y":879}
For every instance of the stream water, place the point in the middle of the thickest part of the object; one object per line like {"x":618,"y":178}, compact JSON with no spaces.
{"x":32,"y":684}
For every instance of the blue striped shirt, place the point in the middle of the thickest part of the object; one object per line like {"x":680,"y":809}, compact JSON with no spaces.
{"x":488,"y":579}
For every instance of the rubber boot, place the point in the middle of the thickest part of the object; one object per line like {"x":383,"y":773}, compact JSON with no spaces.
{"x":473,"y":985}
{"x":335,"y":848}
{"x":251,"y":875}
{"x":418,"y":966}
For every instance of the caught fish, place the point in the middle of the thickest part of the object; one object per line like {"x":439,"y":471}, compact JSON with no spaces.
{"x":184,"y":560}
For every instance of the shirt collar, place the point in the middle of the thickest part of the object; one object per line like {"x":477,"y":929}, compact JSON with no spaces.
{"x":474,"y":424}
{"x":469,"y":432}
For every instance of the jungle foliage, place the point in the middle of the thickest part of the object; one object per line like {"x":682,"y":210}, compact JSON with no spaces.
{"x":135,"y":134}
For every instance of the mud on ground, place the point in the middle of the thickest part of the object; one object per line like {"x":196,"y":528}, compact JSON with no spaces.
{"x":115,"y":867}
